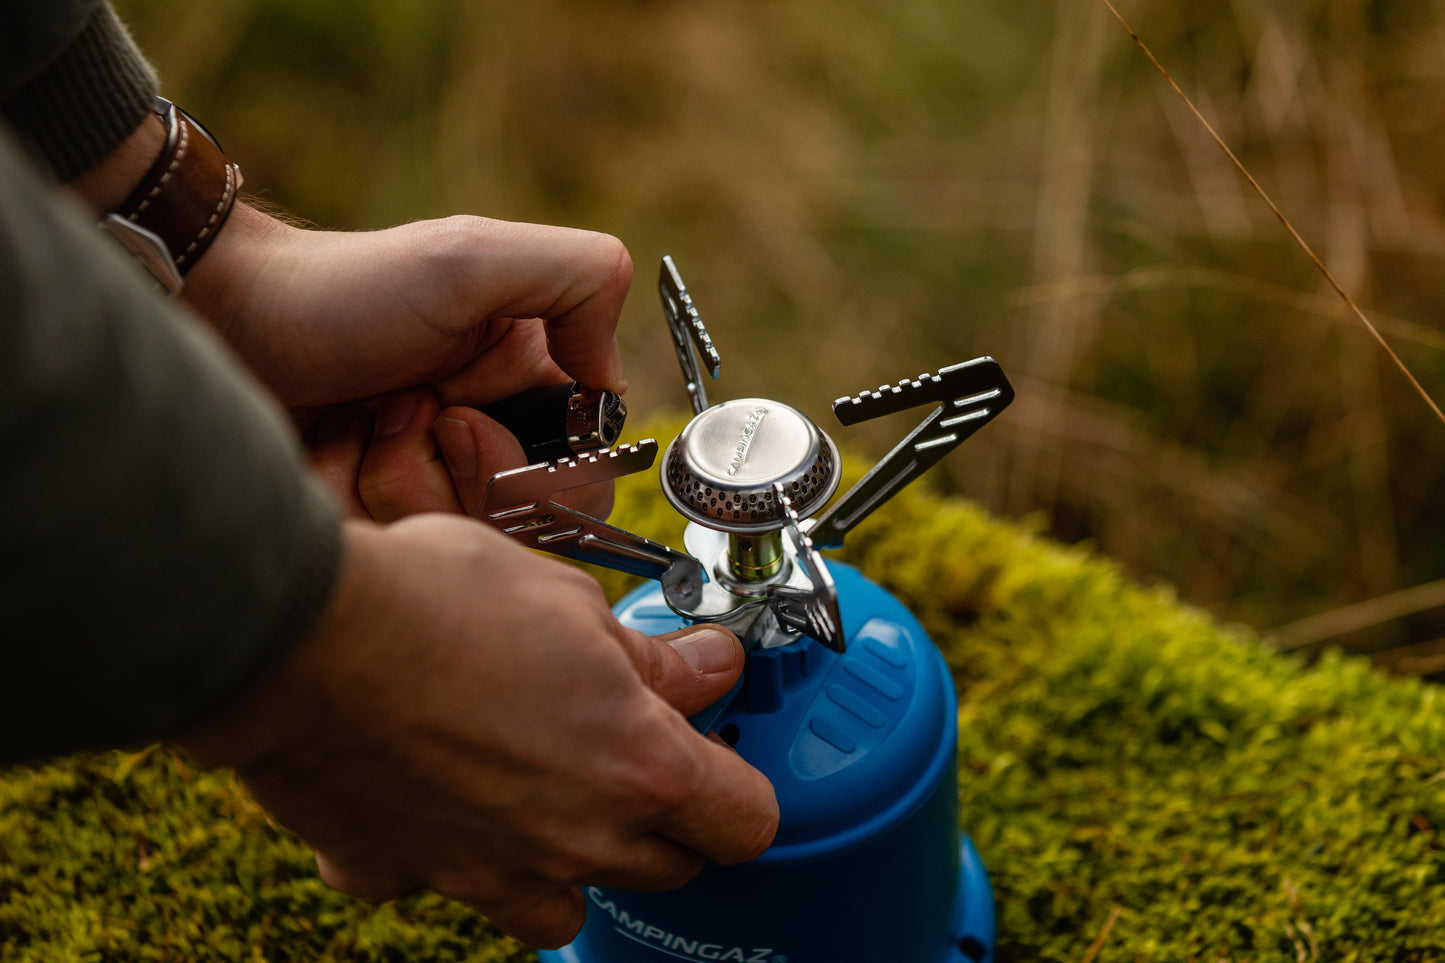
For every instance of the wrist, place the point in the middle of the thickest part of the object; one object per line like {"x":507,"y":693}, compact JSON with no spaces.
{"x":219,"y":285}
{"x":104,"y":186}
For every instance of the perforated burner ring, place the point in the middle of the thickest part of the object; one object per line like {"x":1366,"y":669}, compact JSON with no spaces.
{"x":720,"y":471}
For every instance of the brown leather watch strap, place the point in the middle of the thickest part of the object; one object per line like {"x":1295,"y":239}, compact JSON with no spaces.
{"x":188,"y":192}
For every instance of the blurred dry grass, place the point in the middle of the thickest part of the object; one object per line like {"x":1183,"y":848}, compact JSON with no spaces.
{"x":858,"y":191}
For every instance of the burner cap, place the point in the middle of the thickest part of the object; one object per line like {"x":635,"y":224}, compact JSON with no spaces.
{"x":720,"y":471}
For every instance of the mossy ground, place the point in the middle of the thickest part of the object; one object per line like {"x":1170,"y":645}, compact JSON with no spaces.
{"x":1130,"y":769}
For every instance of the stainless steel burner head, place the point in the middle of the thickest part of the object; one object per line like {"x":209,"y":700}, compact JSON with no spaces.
{"x":720,"y":471}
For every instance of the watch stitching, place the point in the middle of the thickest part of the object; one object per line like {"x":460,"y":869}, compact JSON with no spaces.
{"x":182,"y":142}
{"x":222,"y":206}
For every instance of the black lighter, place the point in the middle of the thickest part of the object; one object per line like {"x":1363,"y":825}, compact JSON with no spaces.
{"x":561,"y":421}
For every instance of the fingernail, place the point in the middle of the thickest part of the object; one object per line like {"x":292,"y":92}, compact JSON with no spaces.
{"x":458,"y":445}
{"x":395,"y":413}
{"x":707,"y":651}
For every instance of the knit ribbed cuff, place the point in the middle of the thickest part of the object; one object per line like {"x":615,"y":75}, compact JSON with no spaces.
{"x":86,"y":101}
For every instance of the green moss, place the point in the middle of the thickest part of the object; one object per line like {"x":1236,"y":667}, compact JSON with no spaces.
{"x":145,"y":857}
{"x":1118,"y":750}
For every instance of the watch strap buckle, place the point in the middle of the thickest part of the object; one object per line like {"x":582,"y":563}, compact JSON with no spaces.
{"x":147,"y":248}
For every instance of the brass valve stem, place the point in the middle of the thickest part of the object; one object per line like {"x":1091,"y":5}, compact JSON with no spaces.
{"x":755,"y":558}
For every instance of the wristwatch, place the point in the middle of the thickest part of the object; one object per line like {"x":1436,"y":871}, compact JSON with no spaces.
{"x":175,"y":212}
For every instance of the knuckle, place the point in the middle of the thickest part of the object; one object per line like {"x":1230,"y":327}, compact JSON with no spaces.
{"x":646,"y":656}
{"x":661,"y":775}
{"x":447,"y":245}
{"x":680,"y":873}
{"x":614,"y":261}
{"x":573,"y":862}
{"x":667,"y":791}
{"x":443,"y":232}
{"x":567,"y":589}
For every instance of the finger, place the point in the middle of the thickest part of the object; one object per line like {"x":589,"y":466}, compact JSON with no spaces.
{"x":512,"y":359}
{"x":588,"y":274}
{"x":650,"y":864}
{"x":732,"y":814}
{"x":476,"y":447}
{"x":541,"y":915}
{"x":582,"y":340}
{"x":371,"y":885}
{"x":335,"y":445}
{"x":403,"y":472}
{"x":574,"y":280}
{"x":691,"y":668}
{"x":550,"y":922}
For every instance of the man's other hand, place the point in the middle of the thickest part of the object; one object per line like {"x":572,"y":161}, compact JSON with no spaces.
{"x":471,"y":718}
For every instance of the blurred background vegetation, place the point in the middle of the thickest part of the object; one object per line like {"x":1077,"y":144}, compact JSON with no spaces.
{"x":860,"y":191}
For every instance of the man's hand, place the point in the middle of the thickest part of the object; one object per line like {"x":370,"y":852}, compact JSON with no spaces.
{"x":471,"y":718}
{"x":385,"y":343}
{"x":477,"y":309}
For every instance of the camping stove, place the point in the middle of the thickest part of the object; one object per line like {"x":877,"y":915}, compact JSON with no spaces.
{"x":844,"y":704}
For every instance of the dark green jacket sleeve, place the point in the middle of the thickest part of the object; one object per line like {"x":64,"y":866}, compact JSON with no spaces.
{"x":164,"y":546}
{"x":72,"y":83}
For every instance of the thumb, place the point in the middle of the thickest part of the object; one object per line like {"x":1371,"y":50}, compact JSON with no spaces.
{"x":691,"y":668}
{"x":475,"y":447}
